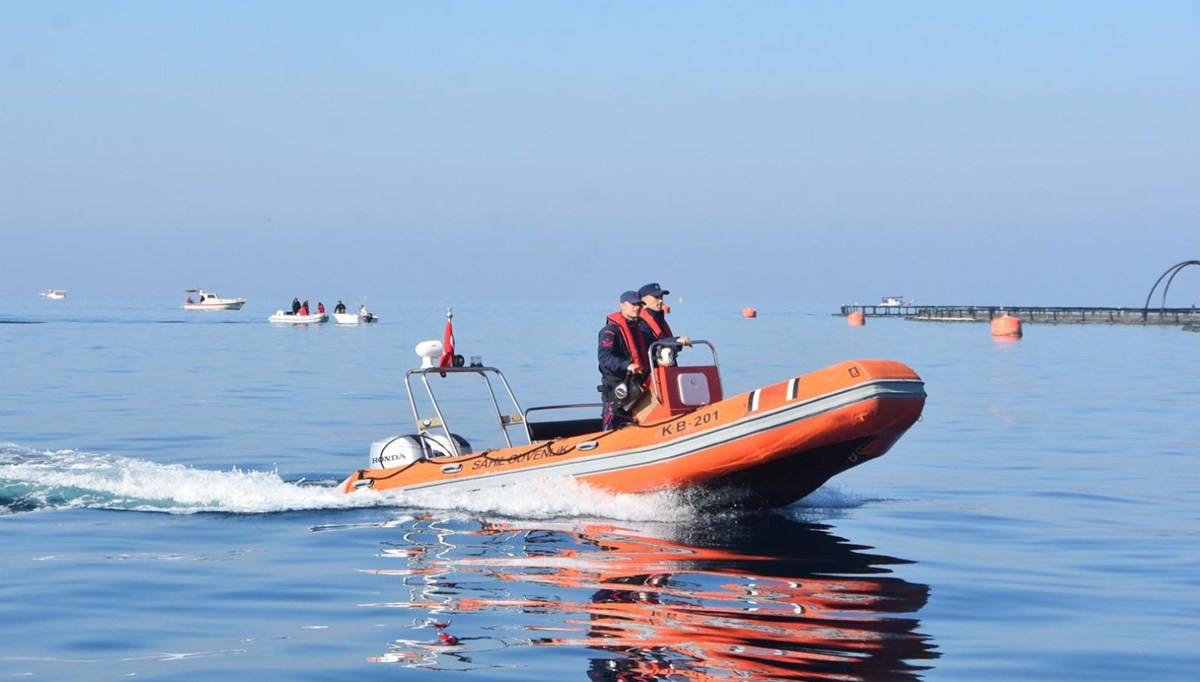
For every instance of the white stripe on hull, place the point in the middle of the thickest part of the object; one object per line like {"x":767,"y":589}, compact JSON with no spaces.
{"x":688,"y":445}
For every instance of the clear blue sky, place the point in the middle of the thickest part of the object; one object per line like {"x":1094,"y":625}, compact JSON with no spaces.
{"x":750,"y":152}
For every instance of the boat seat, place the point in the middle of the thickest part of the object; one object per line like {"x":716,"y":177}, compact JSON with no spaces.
{"x":563,"y":428}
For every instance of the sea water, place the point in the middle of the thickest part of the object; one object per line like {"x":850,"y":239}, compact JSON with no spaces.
{"x":168,"y":511}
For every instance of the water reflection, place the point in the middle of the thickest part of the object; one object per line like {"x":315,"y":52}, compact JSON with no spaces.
{"x":762,"y":597}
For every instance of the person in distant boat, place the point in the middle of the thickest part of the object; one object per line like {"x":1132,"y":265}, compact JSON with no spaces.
{"x":320,"y":308}
{"x":654,"y":318}
{"x":340,"y":308}
{"x":303,"y":309}
{"x":623,"y":361}
{"x":295,"y":306}
{"x":362,"y":311}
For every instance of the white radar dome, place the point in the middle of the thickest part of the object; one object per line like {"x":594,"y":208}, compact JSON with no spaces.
{"x":430,"y":352}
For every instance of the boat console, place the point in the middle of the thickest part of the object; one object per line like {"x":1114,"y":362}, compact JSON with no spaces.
{"x":676,"y":389}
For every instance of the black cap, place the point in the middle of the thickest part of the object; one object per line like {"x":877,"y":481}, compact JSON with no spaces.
{"x":652,"y":289}
{"x":631,"y":297}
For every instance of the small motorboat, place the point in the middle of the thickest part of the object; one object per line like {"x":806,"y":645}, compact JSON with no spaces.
{"x":54,"y":294}
{"x":355,"y":318}
{"x":285,"y":317}
{"x":893,"y":302}
{"x":764,"y":448}
{"x":207,"y":300}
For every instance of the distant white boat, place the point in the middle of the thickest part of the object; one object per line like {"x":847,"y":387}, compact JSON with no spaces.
{"x":56,"y":294}
{"x":284,"y":317}
{"x":893,"y":301}
{"x":207,"y":300}
{"x":361,"y":317}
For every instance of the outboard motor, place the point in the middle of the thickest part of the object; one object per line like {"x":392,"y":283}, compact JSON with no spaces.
{"x":395,"y":452}
{"x":438,"y":446}
{"x":399,"y":451}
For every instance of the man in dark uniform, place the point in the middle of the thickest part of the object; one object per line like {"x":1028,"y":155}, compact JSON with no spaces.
{"x":654,"y":317}
{"x":623,"y":360}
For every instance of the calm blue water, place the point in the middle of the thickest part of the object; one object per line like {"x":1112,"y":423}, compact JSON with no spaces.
{"x":166,"y":511}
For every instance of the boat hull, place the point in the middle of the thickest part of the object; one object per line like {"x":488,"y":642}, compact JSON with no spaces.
{"x":223,"y":305}
{"x":353,"y":318}
{"x":764,"y":448}
{"x":281,"y":317}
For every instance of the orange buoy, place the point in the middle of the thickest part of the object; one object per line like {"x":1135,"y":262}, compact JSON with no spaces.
{"x":666,"y":308}
{"x":856,"y":318}
{"x":749,"y":312}
{"x":1006,"y":326}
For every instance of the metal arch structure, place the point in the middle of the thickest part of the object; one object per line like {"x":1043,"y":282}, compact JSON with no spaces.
{"x":1172,"y":271}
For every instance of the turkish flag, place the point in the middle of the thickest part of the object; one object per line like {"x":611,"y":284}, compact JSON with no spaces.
{"x":447,"y":359}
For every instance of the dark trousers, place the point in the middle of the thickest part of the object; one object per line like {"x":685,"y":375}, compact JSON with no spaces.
{"x":614,"y":417}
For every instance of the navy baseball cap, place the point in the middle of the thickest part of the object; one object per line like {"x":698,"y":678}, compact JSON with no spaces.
{"x":652,"y":289}
{"x":631,"y":297}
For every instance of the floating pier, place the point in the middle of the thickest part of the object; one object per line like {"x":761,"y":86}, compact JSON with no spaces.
{"x":1031,"y":314}
{"x":1188,"y":318}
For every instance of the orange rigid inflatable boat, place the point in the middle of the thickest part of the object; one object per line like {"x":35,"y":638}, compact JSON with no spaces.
{"x":764,"y":448}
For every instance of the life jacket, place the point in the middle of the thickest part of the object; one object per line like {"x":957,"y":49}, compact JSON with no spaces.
{"x":633,"y":340}
{"x":661,"y":331}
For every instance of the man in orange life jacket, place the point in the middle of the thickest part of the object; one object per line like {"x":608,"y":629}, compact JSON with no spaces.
{"x":654,"y":318}
{"x":623,"y":360}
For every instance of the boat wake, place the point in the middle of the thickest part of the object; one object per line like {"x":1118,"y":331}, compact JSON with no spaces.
{"x":43,"y":480}
{"x":32,"y":480}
